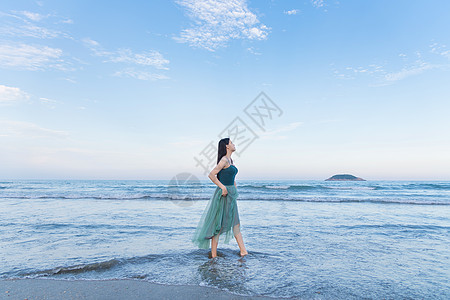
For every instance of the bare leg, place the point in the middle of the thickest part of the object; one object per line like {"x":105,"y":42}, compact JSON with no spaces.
{"x":239,"y":240}
{"x":214,"y":242}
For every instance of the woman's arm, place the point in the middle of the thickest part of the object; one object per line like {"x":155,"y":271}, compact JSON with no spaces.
{"x":235,"y":184}
{"x":213,"y":174}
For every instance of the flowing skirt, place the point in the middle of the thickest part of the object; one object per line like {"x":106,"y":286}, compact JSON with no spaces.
{"x":220,"y":217}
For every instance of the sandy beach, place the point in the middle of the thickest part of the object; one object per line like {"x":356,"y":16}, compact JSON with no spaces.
{"x":107,"y":289}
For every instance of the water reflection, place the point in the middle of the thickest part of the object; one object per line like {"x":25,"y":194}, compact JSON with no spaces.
{"x":226,"y":271}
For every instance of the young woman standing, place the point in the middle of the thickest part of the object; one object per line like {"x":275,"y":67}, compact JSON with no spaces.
{"x":221,"y":214}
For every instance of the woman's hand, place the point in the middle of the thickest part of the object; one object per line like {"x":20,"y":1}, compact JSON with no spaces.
{"x":224,"y":191}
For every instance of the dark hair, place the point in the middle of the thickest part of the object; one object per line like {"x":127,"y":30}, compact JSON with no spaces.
{"x":223,"y":149}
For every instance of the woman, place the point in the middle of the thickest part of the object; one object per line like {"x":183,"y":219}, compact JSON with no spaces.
{"x":221,"y":213}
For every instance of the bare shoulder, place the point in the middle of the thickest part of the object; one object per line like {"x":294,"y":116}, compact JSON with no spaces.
{"x":226,"y":161}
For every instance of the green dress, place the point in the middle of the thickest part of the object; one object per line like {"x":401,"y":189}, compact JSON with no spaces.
{"x":221,"y":213}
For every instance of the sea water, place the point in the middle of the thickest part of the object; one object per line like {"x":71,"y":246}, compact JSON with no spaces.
{"x":305,"y":239}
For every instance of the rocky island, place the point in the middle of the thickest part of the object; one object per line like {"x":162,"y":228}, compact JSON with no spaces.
{"x":344,"y":177}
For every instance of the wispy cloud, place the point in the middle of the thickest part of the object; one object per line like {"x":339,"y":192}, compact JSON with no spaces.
{"x":409,"y":71}
{"x":67,"y":21}
{"x":30,"y":30}
{"x":32,"y":15}
{"x":29,"y":24}
{"x":141,"y":75}
{"x":144,"y":60}
{"x":353,"y":72}
{"x":440,"y":50}
{"x":50,"y":103}
{"x":317,"y":3}
{"x":148,"y":58}
{"x":383,"y":74}
{"x":71,"y":80}
{"x":217,"y":22}
{"x":253,"y":51}
{"x":95,"y":47}
{"x":10,"y":95}
{"x":28,"y":130}
{"x":30,"y":57}
{"x":292,"y":12}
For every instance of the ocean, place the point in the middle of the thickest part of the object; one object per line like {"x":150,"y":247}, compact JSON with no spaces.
{"x":306,"y":239}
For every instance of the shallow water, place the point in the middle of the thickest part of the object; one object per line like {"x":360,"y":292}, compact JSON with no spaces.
{"x":307,"y":239}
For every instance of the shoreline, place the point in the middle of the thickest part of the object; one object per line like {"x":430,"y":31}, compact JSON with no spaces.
{"x":40,"y":288}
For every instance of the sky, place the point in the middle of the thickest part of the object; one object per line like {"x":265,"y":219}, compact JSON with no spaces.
{"x":146,"y":89}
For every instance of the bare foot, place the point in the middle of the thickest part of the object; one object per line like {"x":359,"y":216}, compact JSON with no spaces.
{"x":243,"y":254}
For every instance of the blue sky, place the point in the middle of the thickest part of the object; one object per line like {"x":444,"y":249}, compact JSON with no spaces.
{"x":139,"y":90}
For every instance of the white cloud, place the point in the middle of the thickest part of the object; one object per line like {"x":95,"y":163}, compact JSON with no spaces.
{"x":409,"y":71}
{"x":28,"y":130}
{"x":30,"y":57}
{"x":30,"y":30}
{"x":95,"y":47}
{"x":70,"y":80}
{"x":317,"y":3}
{"x":50,"y":103}
{"x":385,"y":75}
{"x":217,"y":22}
{"x":253,"y":51}
{"x":440,"y":50}
{"x":141,"y":75}
{"x":149,"y":58}
{"x":67,"y":21}
{"x":24,"y":24}
{"x":9,"y":95}
{"x":292,"y":12}
{"x":32,"y":16}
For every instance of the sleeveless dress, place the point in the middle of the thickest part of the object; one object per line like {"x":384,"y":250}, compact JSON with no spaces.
{"x":221,"y":213}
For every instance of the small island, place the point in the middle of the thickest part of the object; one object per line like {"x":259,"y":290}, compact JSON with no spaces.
{"x":344,"y":177}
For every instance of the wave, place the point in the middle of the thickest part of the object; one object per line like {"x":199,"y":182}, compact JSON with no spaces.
{"x":87,"y":226}
{"x":101,"y":266}
{"x":344,"y":186}
{"x":296,"y":187}
{"x":293,"y":187}
{"x":395,"y":226}
{"x":352,"y":187}
{"x":337,"y":200}
{"x":113,"y":263}
{"x":75,"y":197}
{"x":428,"y":186}
{"x":136,"y":229}
{"x":252,"y":197}
{"x":278,"y":187}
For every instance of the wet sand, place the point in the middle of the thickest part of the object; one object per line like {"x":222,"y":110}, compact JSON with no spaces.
{"x":107,"y":289}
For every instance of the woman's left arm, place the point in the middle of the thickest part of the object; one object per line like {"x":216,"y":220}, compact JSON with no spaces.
{"x":235,"y":184}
